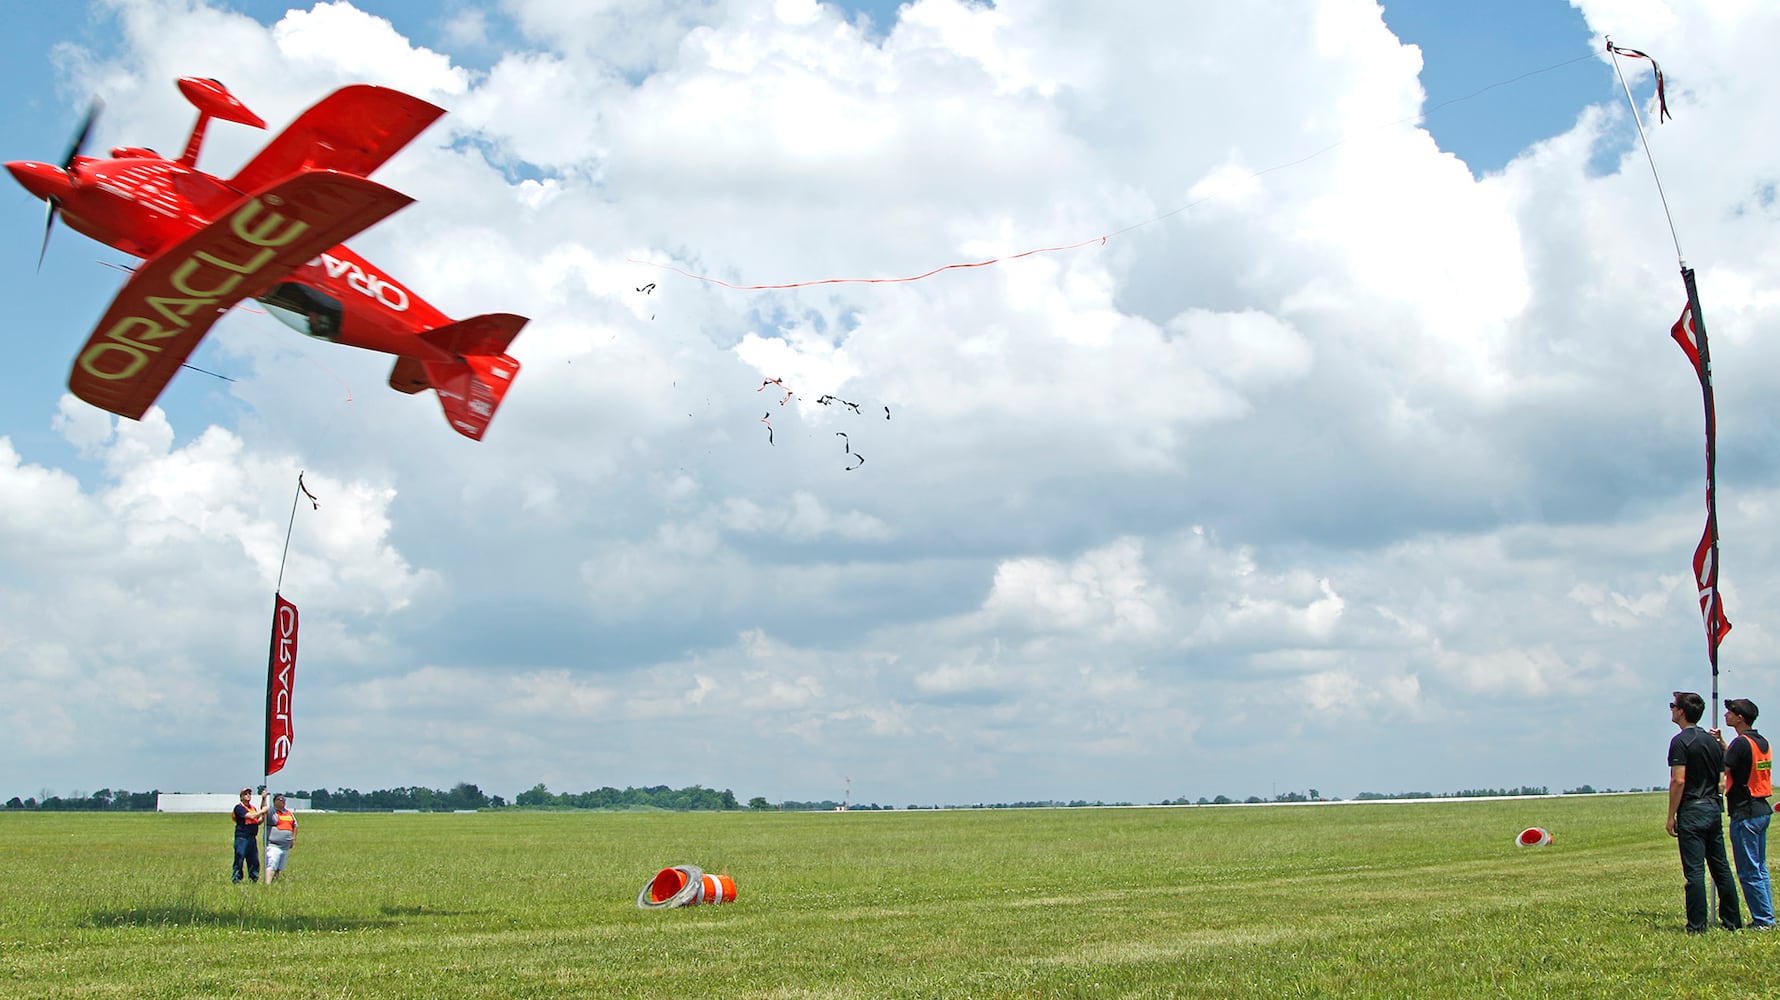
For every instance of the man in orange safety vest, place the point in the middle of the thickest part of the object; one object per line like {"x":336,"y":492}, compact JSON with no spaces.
{"x":280,"y":838}
{"x":1748,"y":781}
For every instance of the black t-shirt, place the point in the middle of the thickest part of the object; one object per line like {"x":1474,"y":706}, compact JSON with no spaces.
{"x":245,"y":827}
{"x":1737,"y":762}
{"x":1700,"y":753}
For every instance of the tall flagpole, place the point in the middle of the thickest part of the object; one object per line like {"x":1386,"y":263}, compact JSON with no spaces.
{"x":266,"y":743}
{"x":1693,"y":326}
{"x":298,"y":495}
{"x":1690,"y":333}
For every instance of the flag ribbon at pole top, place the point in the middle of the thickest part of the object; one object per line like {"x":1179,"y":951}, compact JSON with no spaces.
{"x":1662,"y":99}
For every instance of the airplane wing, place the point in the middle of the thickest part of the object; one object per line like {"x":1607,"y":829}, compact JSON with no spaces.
{"x":171,"y":301}
{"x":352,"y":130}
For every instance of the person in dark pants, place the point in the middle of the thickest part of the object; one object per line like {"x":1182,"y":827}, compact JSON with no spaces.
{"x":1696,"y":814}
{"x":1748,"y":781}
{"x":247,"y":835}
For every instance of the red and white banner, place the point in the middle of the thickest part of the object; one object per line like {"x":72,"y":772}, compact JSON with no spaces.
{"x":1688,"y":336}
{"x":1690,"y":333}
{"x":1705,"y":571}
{"x":281,"y":677}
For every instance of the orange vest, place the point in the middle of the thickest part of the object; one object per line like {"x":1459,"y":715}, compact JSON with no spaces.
{"x":286,"y":820}
{"x":1761,"y":772}
{"x":249,"y":819}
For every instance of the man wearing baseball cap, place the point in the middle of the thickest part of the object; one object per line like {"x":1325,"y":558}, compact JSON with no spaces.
{"x":1748,"y":781}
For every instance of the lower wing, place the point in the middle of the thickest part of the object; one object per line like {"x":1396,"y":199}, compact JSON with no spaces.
{"x":172,"y":300}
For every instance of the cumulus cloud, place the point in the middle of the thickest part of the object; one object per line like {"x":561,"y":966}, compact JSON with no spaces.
{"x":1328,"y":441}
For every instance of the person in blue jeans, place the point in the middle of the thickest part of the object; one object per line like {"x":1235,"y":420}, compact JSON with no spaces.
{"x":1696,"y":764}
{"x":1748,"y":781}
{"x":247,"y":835}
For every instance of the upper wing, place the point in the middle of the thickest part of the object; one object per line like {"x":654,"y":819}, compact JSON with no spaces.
{"x":352,"y":130}
{"x":171,"y":301}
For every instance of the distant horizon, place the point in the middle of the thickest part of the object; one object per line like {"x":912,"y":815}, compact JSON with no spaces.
{"x":1221,"y":799}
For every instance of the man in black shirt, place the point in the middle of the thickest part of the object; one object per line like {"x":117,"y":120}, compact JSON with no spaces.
{"x":1695,"y":814}
{"x":247,"y":835}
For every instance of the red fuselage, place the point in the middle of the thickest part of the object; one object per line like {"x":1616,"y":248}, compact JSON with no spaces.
{"x":142,"y":204}
{"x":271,"y":233}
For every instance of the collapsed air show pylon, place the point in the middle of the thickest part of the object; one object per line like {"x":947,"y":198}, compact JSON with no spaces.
{"x":685,"y":885}
{"x":1533,"y":836}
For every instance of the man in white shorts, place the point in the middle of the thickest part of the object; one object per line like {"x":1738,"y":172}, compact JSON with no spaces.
{"x":281,"y":836}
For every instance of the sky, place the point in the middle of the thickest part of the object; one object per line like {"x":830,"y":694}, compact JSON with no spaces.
{"x":1344,"y":447}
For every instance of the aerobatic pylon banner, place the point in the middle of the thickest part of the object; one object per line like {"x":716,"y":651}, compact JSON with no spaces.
{"x":1705,"y":571}
{"x":281,"y":678}
{"x":1690,"y":332}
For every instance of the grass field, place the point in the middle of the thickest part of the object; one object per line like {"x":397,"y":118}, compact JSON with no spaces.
{"x":1375,"y":900}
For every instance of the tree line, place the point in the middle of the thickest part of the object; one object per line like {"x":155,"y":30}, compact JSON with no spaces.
{"x":463,"y":795}
{"x":695,"y":798}
{"x":103,"y":799}
{"x":1469,"y":793}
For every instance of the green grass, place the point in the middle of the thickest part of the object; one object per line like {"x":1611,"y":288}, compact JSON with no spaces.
{"x":1385,"y":900}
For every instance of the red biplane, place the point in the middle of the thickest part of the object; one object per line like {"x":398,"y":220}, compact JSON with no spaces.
{"x":270,"y":233}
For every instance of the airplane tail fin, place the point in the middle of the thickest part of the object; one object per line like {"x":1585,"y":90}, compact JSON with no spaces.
{"x":471,"y":387}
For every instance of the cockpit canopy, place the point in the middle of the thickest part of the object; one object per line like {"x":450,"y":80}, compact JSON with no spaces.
{"x":306,"y":310}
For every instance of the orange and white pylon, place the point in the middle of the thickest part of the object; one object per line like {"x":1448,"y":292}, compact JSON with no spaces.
{"x":685,"y":885}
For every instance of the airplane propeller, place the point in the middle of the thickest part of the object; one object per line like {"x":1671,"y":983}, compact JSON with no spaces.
{"x":75,"y":149}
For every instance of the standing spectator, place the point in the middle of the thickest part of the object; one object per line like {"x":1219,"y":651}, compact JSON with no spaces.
{"x":247,"y":835}
{"x":1696,"y":762}
{"x":280,"y":838}
{"x":1748,"y":781}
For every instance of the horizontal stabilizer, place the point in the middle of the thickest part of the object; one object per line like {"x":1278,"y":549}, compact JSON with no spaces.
{"x":408,"y":376}
{"x":486,"y":334}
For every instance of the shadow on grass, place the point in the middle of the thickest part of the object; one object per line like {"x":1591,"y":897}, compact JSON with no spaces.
{"x":426,"y":911}
{"x":1659,"y":920}
{"x":197,"y":916}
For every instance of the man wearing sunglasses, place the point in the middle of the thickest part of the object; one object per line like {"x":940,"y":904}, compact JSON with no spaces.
{"x":1696,"y":814}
